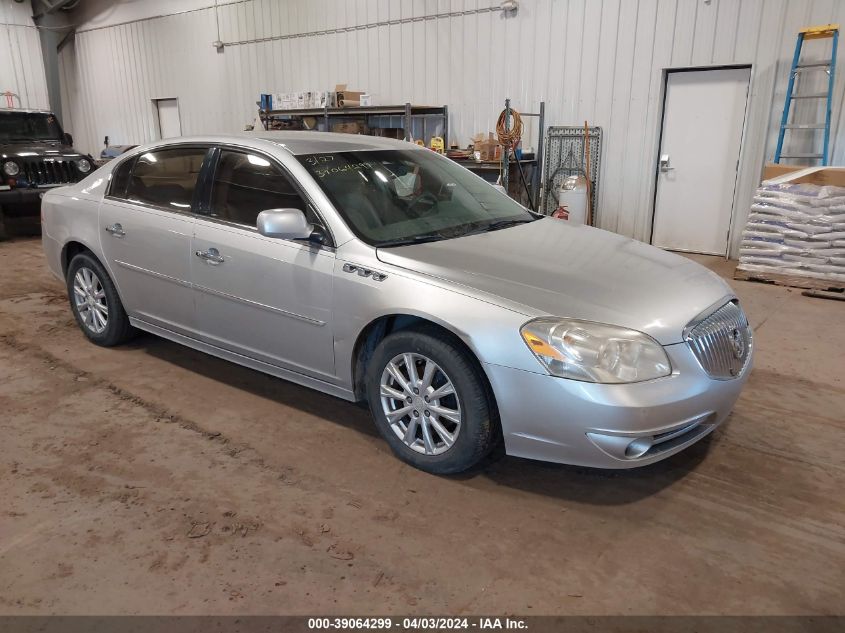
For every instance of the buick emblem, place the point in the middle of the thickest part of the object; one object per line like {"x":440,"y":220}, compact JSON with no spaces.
{"x":738,"y":344}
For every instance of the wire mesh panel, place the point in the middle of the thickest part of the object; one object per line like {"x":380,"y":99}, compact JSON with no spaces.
{"x":564,"y":156}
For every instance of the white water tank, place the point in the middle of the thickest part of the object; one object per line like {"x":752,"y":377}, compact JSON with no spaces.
{"x":572,"y":196}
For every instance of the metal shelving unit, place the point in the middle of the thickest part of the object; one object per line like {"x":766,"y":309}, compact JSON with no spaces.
{"x":414,"y":119}
{"x":535,"y":178}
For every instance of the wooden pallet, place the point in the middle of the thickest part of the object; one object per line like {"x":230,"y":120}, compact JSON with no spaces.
{"x":793,"y":281}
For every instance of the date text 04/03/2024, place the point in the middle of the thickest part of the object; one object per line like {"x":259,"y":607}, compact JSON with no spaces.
{"x":428,"y":623}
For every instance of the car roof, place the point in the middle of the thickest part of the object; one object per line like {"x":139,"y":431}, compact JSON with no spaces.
{"x":307,"y":142}
{"x":312,"y":142}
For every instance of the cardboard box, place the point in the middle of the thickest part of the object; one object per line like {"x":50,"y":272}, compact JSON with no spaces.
{"x":774,"y":170}
{"x":390,"y":132}
{"x":349,"y":127}
{"x":822,"y":176}
{"x":323,"y":99}
{"x":345,"y":98}
{"x":301,"y":100}
{"x":485,"y":146}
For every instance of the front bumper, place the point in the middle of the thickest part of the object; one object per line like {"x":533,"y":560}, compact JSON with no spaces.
{"x":559,"y":420}
{"x":22,"y":202}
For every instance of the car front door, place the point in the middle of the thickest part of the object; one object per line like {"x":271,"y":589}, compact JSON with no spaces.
{"x":265,"y":298}
{"x":146,"y":228}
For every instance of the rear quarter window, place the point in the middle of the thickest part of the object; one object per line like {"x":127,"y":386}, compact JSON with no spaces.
{"x":120,"y":178}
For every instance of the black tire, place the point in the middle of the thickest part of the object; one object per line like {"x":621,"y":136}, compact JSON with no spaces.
{"x":117,"y":329}
{"x":479,"y":428}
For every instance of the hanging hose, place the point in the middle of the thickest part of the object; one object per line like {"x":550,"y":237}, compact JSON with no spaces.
{"x":509,"y":139}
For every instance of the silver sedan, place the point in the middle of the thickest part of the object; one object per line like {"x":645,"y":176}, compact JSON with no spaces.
{"x":374,"y":270}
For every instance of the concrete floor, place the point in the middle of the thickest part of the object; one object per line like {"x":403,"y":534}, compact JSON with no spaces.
{"x":154,"y":479}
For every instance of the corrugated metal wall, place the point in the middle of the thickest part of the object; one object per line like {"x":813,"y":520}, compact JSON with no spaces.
{"x":600,"y":60}
{"x":21,"y":64}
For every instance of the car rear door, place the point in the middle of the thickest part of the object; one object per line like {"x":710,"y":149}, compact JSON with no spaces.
{"x":265,"y":298}
{"x":146,"y":226}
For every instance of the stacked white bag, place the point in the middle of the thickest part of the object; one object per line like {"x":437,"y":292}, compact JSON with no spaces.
{"x":796,"y":229}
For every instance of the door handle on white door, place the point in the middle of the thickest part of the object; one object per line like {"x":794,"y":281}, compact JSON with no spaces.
{"x":212,"y":256}
{"x":115,"y":230}
{"x":664,"y":163}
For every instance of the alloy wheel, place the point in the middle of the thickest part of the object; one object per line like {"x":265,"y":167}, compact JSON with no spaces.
{"x":89,"y":297}
{"x":420,"y":403}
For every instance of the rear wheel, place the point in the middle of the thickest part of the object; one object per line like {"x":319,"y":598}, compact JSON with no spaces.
{"x":95,"y":302}
{"x":430,"y":402}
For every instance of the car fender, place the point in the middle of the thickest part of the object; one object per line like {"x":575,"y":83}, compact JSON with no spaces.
{"x":490,"y":331}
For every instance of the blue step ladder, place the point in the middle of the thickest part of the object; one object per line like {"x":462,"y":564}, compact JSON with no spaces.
{"x":810,"y":33}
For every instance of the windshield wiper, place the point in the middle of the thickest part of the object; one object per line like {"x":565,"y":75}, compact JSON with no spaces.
{"x":499,"y":224}
{"x":503,"y":224}
{"x":416,"y":239}
{"x":432,"y":237}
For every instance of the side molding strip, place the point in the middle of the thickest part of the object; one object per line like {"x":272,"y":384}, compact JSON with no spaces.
{"x":262,"y":306}
{"x":254,"y":304}
{"x":153,"y":273}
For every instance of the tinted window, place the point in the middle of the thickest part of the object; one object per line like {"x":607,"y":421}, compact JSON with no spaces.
{"x":120,"y":178}
{"x":247,"y":184}
{"x":166,"y":177}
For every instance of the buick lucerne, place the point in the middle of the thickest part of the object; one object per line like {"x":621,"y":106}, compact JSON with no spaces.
{"x":375,"y":270}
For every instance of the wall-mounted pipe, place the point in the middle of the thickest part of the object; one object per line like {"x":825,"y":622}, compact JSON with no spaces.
{"x":369,"y":25}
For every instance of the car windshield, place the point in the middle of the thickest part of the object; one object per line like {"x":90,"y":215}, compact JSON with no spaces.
{"x":29,"y":126}
{"x":395,"y":197}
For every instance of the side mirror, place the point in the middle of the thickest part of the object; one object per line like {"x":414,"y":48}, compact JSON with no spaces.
{"x":287,"y":224}
{"x":68,"y":139}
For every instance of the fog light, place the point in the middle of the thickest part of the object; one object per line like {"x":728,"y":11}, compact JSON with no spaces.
{"x":638,"y":447}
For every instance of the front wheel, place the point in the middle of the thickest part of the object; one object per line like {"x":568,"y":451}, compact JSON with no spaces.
{"x":95,"y":302}
{"x":430,"y":402}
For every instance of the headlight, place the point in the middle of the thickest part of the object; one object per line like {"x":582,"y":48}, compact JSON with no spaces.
{"x":594,"y":352}
{"x":11,"y":168}
{"x":83,"y":165}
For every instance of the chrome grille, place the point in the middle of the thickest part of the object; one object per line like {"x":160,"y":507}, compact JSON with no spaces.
{"x":49,"y":172}
{"x":721,"y":341}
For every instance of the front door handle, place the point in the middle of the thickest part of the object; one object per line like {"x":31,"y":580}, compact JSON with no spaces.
{"x":212,"y":256}
{"x":115,"y":229}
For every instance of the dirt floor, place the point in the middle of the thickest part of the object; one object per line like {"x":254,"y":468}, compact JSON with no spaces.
{"x":154,"y":479}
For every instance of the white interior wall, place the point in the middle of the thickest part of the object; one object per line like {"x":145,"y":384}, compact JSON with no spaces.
{"x":21,"y":64}
{"x":600,"y":60}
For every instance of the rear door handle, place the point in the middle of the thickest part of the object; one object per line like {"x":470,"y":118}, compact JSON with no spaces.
{"x":212,"y":256}
{"x":115,"y":229}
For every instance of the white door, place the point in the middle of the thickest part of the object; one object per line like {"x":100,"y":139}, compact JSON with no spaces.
{"x":168,"y":118}
{"x":703,"y":118}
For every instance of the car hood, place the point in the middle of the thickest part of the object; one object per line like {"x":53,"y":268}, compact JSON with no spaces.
{"x":37,"y":149}
{"x":573,"y":271}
